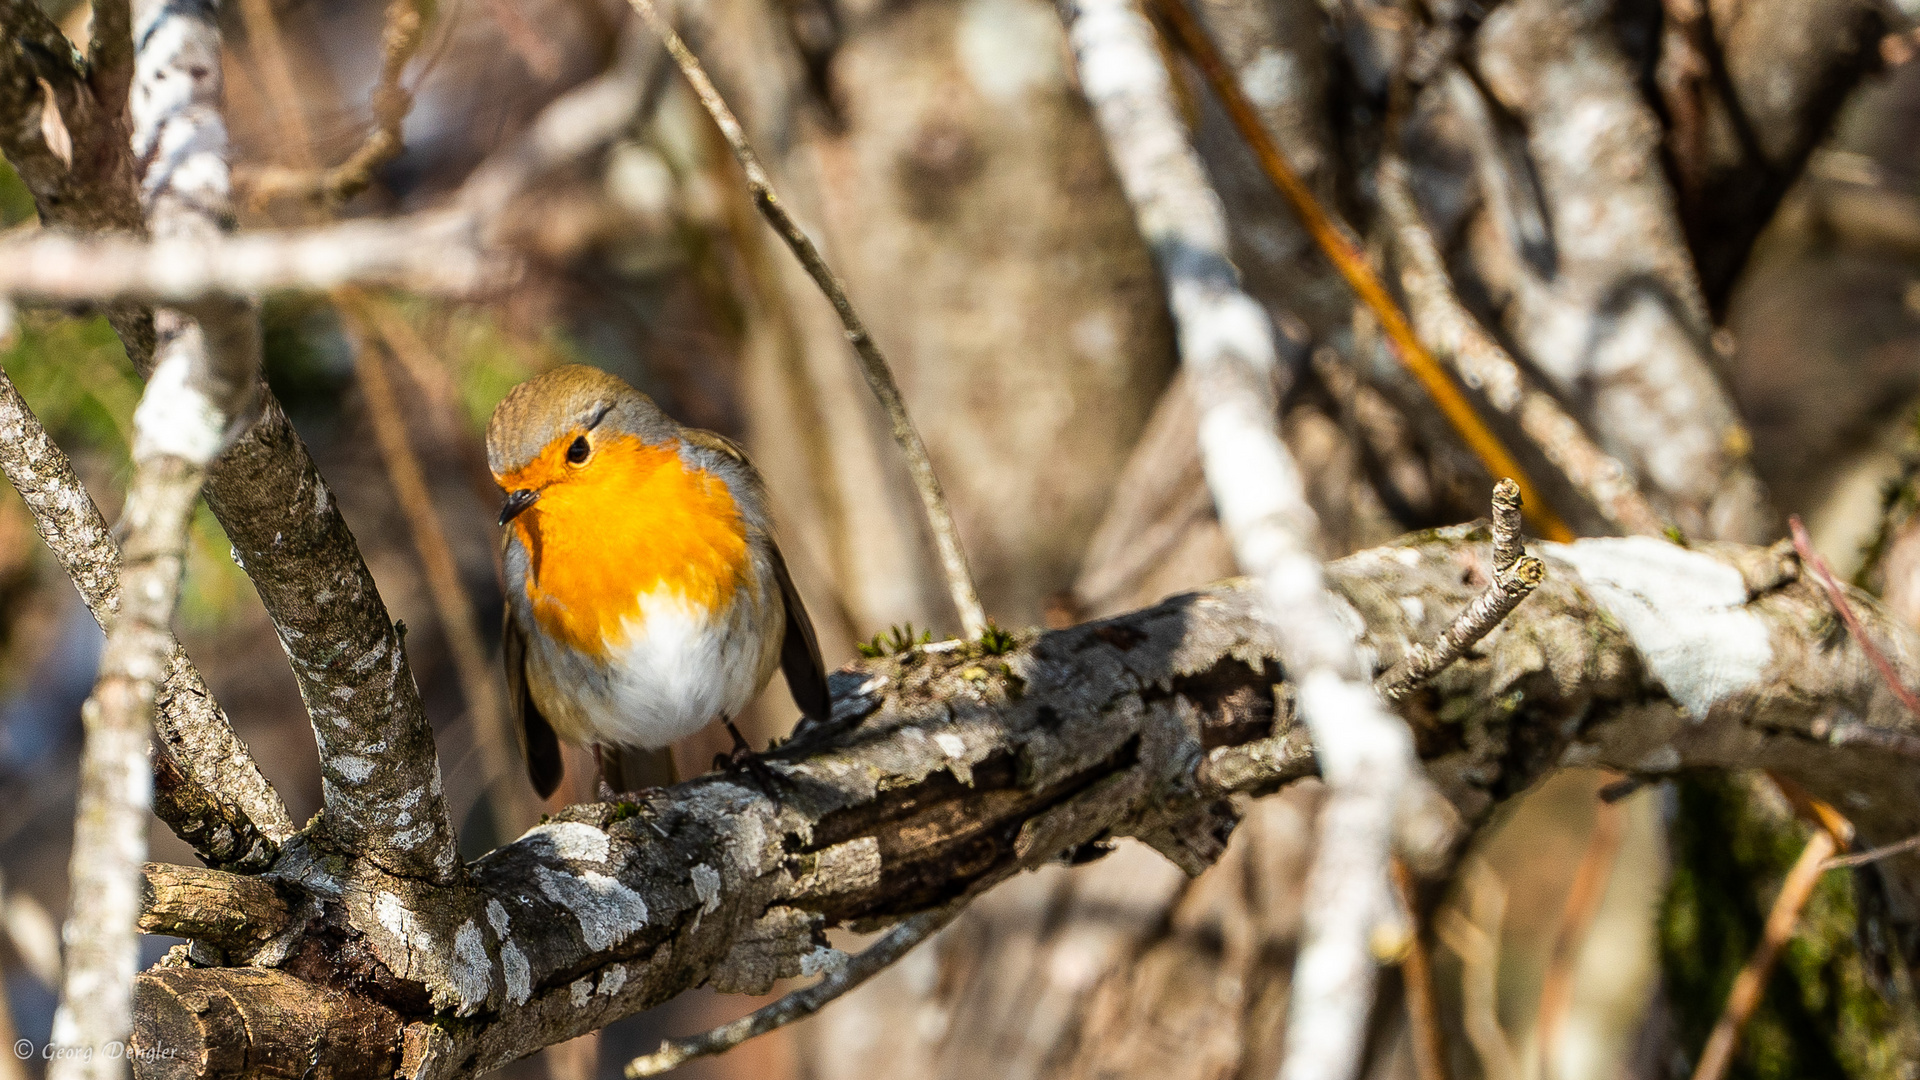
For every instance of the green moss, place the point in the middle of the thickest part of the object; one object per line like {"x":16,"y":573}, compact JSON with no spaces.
{"x":995,"y":641}
{"x":1820,"y":1016}
{"x":894,"y":641}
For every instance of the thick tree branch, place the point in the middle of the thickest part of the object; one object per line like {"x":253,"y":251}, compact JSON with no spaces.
{"x":1776,"y":76}
{"x":946,"y":769}
{"x":227,"y":911}
{"x":1612,"y":313}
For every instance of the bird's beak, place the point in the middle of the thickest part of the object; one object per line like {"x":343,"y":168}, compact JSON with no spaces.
{"x":517,"y":503}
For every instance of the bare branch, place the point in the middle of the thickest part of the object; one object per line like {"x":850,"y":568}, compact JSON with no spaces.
{"x":1416,"y":969}
{"x":1751,"y":981}
{"x":479,"y":671}
{"x":1336,"y":241}
{"x":228,"y":911}
{"x":801,"y":1003}
{"x":207,"y":786}
{"x":1616,"y":319}
{"x":873,"y":363}
{"x":931,"y":784}
{"x":1226,"y":344}
{"x":400,"y":40}
{"x":203,"y":389}
{"x":110,"y":53}
{"x":1452,"y":331}
{"x":1803,"y":546}
{"x":468,"y":248}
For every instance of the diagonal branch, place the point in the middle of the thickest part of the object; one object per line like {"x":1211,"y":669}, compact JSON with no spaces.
{"x":1452,"y":331}
{"x":207,"y":786}
{"x":1226,"y":346}
{"x":1617,"y":320}
{"x":873,"y":363}
{"x":1337,"y":243}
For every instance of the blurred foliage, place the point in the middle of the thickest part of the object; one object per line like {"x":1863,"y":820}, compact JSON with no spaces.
{"x":16,"y":202}
{"x":1820,"y":1015}
{"x":75,"y":375}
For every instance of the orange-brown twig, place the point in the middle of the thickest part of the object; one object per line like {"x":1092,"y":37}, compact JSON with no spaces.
{"x":1416,"y":973}
{"x":1337,"y":242}
{"x":1752,"y":979}
{"x":1824,"y":575}
{"x":1576,"y":921}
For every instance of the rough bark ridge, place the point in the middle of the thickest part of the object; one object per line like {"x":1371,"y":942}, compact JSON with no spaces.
{"x":946,"y":769}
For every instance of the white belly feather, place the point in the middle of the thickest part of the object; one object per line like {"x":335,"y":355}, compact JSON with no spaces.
{"x":679,"y":670}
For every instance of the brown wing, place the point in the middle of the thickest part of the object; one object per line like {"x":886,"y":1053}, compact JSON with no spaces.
{"x":538,"y":743}
{"x":800,"y":650}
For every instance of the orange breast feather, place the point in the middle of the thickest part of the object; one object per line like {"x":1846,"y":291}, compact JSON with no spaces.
{"x":631,"y":520}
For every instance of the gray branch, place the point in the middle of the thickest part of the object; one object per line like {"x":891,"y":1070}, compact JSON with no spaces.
{"x":945,"y":770}
{"x":206,"y":785}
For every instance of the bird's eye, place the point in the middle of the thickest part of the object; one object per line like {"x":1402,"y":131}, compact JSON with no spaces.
{"x":577,"y":453}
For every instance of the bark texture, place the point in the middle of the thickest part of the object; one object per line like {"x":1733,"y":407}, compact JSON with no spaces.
{"x":946,"y":770}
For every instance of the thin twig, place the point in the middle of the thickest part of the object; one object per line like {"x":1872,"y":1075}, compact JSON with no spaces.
{"x":1416,"y":974}
{"x":486,"y":707}
{"x":1515,"y":575}
{"x":1751,"y":981}
{"x":801,"y":1003}
{"x":1453,"y":332}
{"x":1872,"y":855}
{"x":1582,"y":905}
{"x":1838,"y":598}
{"x":1336,"y":241}
{"x":405,"y":28}
{"x":966,"y":599}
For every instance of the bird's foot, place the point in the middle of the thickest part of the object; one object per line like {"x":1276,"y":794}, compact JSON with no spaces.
{"x":744,"y":758}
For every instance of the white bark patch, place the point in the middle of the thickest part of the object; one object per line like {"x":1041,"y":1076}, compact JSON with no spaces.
{"x":706,"y":886}
{"x":519,"y":973}
{"x":402,"y":924}
{"x":606,"y":910}
{"x":354,"y":769}
{"x":471,"y":971}
{"x":174,"y":417}
{"x":497,"y":918}
{"x":582,"y":991}
{"x":1684,"y":611}
{"x":822,"y":960}
{"x":611,"y":980}
{"x":573,"y":840}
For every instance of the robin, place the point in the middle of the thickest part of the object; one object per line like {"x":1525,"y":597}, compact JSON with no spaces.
{"x":646,"y":597}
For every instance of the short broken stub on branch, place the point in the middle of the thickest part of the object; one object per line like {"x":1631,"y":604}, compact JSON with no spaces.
{"x":946,"y":768}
